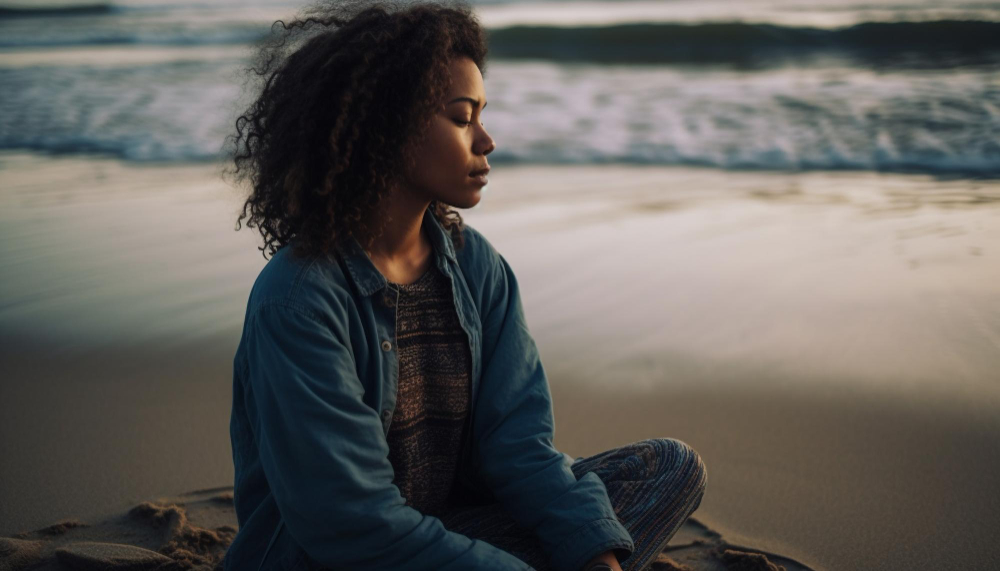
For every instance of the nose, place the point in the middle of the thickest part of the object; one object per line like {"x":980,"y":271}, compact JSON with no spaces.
{"x":486,"y":144}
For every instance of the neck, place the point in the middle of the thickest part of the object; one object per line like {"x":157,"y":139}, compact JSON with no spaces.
{"x":402,"y":240}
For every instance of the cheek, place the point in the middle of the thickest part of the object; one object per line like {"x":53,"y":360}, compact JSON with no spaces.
{"x":444,"y":152}
{"x":441,"y":158}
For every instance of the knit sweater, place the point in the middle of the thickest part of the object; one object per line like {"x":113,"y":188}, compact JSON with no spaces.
{"x":432,"y":403}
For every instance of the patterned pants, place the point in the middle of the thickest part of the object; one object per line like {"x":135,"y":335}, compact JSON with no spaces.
{"x":653,"y":485}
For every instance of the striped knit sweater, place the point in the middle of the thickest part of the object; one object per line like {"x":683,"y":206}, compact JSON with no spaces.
{"x":432,"y":403}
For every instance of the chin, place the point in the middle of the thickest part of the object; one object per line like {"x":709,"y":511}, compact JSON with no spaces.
{"x":466,"y":201}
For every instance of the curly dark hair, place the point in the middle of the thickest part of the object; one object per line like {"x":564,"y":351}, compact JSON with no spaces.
{"x":343,"y":94}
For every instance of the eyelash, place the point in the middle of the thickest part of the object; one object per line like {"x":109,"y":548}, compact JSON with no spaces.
{"x":467,"y":123}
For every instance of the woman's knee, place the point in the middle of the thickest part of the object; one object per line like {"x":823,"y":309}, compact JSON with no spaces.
{"x":699,"y":474}
{"x":689,"y":460}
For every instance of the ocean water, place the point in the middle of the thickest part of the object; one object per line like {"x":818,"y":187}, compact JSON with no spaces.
{"x":908,"y":86}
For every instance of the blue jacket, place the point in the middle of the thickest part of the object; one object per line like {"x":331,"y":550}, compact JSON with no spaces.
{"x":314,"y":389}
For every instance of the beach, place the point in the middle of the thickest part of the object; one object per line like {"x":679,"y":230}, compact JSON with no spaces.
{"x":828,"y":341}
{"x":769,"y":230}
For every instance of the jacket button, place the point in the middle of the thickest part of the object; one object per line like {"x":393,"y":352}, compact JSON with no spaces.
{"x":386,"y":345}
{"x":386,"y":414}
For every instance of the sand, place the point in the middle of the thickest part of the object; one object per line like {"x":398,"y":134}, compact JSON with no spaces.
{"x":192,"y":531}
{"x":829,"y":343}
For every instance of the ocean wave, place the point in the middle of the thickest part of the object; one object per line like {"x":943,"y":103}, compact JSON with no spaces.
{"x":134,"y":30}
{"x":788,"y":119}
{"x":928,"y":43}
{"x":10,"y":12}
{"x":138,"y":37}
{"x":734,"y":42}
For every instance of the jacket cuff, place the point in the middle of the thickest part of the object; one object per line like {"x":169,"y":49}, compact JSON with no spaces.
{"x":591,"y":539}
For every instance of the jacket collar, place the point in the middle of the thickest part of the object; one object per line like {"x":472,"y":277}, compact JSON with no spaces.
{"x":368,"y":279}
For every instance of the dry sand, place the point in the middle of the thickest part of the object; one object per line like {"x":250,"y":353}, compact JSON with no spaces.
{"x":829,"y":342}
{"x":192,"y":531}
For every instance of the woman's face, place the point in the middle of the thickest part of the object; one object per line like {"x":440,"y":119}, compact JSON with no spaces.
{"x":456,"y":143}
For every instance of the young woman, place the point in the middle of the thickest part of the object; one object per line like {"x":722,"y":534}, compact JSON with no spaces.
{"x":389,"y":407}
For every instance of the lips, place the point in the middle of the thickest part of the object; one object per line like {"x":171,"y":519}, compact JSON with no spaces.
{"x":479,"y":176}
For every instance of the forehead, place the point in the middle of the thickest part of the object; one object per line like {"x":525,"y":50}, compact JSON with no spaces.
{"x":466,"y":79}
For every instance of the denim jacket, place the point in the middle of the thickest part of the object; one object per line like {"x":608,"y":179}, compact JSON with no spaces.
{"x":314,"y":388}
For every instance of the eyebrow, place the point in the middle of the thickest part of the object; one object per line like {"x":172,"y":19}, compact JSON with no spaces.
{"x":474,"y":102}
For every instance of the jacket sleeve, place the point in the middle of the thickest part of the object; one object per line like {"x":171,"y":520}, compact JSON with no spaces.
{"x":573,"y":519}
{"x":325,"y":456}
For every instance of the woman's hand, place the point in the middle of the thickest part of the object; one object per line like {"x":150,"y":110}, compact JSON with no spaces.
{"x":608,"y":557}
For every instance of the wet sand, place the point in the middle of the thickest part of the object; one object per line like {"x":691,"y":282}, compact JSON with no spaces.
{"x":827,"y":341}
